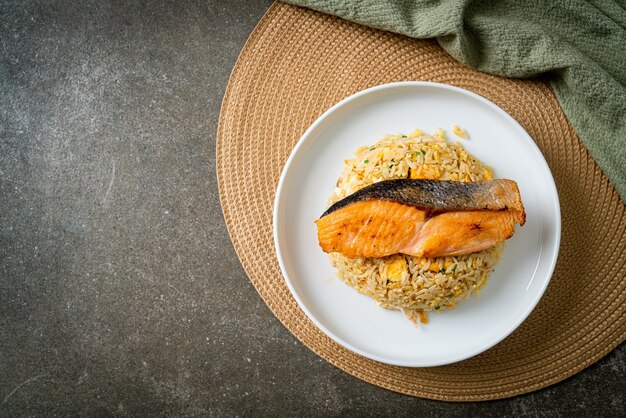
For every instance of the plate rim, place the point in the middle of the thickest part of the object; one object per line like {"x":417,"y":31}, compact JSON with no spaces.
{"x":305,"y":138}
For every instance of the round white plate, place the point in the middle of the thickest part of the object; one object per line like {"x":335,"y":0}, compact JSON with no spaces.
{"x":354,"y":320}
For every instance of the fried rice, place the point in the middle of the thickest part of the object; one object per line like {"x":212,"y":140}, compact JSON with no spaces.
{"x":414,"y":285}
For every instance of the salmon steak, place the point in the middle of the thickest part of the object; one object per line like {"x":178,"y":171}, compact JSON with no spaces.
{"x":422,"y":218}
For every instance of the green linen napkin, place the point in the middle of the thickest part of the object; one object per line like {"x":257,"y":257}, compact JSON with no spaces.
{"x":579,"y":45}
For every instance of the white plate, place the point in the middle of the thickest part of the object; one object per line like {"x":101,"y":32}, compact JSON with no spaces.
{"x":354,"y":320}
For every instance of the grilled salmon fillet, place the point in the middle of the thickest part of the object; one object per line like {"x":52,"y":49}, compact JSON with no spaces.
{"x":423,"y":218}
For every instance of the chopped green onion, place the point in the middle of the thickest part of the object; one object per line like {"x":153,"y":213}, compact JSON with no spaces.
{"x":366,"y":161}
{"x":372,"y":149}
{"x":423,"y":152}
{"x":437,"y":308}
{"x":404,"y":136}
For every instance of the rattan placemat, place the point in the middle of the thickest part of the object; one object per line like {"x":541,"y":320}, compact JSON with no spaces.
{"x":296,"y":64}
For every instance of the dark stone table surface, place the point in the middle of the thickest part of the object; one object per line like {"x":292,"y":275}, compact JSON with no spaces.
{"x":120,"y":291}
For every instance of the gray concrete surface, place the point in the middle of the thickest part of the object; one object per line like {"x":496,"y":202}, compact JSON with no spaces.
{"x":120,"y":292}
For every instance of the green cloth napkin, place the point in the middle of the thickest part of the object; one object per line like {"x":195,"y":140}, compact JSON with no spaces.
{"x":579,"y":45}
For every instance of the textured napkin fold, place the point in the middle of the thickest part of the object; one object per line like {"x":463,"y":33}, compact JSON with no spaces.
{"x":580,"y":46}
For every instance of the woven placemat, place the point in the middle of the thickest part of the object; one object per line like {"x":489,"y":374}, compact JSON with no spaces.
{"x":296,"y":64}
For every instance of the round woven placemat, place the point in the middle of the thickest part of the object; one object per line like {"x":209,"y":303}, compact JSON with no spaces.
{"x":296,"y":64}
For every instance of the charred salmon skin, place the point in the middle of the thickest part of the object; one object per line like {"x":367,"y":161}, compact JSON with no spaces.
{"x":422,"y":218}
